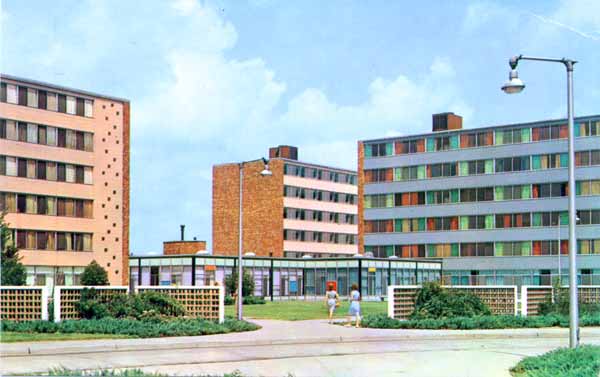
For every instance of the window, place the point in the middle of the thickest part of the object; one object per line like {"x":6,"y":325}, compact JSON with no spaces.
{"x":88,"y":108}
{"x":11,"y":94}
{"x":32,"y":97}
{"x":52,"y":101}
{"x":71,"y":104}
{"x":32,"y":133}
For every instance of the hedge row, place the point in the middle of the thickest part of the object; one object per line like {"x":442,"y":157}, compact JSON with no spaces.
{"x":131,"y":327}
{"x":583,"y":361}
{"x":382,"y":321}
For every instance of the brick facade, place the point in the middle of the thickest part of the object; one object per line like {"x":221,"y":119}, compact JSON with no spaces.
{"x":183,"y":247}
{"x":361,"y":191}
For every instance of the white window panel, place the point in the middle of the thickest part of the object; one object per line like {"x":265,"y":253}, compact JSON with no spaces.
{"x":70,"y":173}
{"x":11,"y":166}
{"x":52,"y":101}
{"x":88,"y":175}
{"x":11,"y":130}
{"x":71,"y":105}
{"x":89,"y":108}
{"x":32,"y":97}
{"x":12,"y":94}
{"x":32,"y":133}
{"x":51,"y":136}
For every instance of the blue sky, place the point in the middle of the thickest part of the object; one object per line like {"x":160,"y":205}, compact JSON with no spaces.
{"x":221,"y":81}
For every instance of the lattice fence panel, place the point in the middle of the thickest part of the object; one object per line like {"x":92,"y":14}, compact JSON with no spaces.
{"x":203,"y":302}
{"x":23,"y":303}
{"x":535,"y":295}
{"x":65,"y":298}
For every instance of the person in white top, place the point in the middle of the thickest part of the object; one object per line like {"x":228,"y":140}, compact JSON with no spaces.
{"x":331,"y":299}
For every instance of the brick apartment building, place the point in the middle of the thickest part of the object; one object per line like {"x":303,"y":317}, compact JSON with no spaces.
{"x":301,"y":209}
{"x":64,"y":179}
{"x":492,"y":202}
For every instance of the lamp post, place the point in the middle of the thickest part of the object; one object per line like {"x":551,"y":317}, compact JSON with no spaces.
{"x":265,"y":173}
{"x":515,"y":85}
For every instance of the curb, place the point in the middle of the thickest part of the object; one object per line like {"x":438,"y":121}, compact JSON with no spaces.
{"x":115,"y":347}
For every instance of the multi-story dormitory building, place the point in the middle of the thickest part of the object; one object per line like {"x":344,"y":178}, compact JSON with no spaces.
{"x":300,"y":210}
{"x":492,"y":202}
{"x":64,"y":179}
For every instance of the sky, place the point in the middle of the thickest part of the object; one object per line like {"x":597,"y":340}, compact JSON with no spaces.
{"x":222,"y":81}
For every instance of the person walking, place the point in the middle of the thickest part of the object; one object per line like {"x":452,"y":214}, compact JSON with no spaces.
{"x":354,"y":305}
{"x":331,"y":299}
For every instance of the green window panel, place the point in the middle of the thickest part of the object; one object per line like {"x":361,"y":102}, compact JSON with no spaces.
{"x":454,"y":250}
{"x":499,"y":193}
{"x":578,"y":129}
{"x":454,"y":142}
{"x":368,"y":201}
{"x":429,"y":197}
{"x":463,"y":168}
{"x":499,"y":249}
{"x":526,"y":248}
{"x":489,"y":221}
{"x":564,"y":160}
{"x":526,"y":191}
{"x":398,"y":174}
{"x":464,"y":223}
{"x":422,"y":224}
{"x":398,"y":225}
{"x":389,"y":149}
{"x":368,"y":249}
{"x":389,"y":250}
{"x":525,"y":135}
{"x":454,"y":196}
{"x":431,"y":251}
{"x":489,"y":166}
{"x":421,"y":172}
{"x":537,"y":219}
{"x":577,"y":188}
{"x":499,"y":137}
{"x":430,"y":145}
{"x":368,"y":151}
{"x":389,"y":200}
{"x":536,"y":162}
{"x":564,"y":218}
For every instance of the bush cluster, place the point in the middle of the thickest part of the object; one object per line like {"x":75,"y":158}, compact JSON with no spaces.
{"x":433,"y":302}
{"x":558,"y":303}
{"x":382,"y":321}
{"x":582,"y":361}
{"x":145,"y":305}
{"x":158,"y":327}
{"x":248,"y":300}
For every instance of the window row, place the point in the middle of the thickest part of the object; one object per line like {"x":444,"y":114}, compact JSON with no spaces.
{"x":45,"y":205}
{"x":320,"y":174}
{"x":46,"y":135}
{"x":60,"y":241}
{"x":490,"y":166}
{"x":325,"y":237}
{"x":42,"y":99}
{"x":486,"y":138}
{"x":47,"y":170}
{"x":484,"y":249}
{"x":491,"y":221}
{"x":466,"y":195}
{"x":320,"y":195}
{"x":321,"y":216}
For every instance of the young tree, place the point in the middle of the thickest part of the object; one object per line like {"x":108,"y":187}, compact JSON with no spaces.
{"x":94,"y":274}
{"x":231,"y":284}
{"x":12,"y":270}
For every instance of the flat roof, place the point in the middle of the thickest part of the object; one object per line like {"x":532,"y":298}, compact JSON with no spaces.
{"x":59,"y":87}
{"x":288,"y":160}
{"x":479,"y":129}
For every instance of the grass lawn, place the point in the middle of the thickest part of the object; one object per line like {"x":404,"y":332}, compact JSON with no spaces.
{"x":583,"y":361}
{"x":11,"y":337}
{"x":297,"y":310}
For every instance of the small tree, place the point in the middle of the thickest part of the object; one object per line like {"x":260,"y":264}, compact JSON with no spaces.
{"x":231,"y":284}
{"x":94,"y":274}
{"x":12,"y":270}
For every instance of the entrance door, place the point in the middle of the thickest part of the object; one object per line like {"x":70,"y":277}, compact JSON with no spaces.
{"x":154,"y":275}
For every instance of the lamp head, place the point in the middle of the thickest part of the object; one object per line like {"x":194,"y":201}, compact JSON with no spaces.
{"x":514,"y":83}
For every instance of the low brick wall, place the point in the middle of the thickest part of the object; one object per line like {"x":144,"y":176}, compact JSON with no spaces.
{"x":532,"y":296}
{"x":65,"y":298}
{"x":501,"y":299}
{"x":21,"y":303}
{"x":199,"y":301}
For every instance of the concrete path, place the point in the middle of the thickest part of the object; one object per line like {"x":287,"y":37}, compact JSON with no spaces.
{"x":304,"y":348}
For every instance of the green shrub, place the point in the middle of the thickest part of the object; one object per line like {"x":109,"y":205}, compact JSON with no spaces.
{"x":559,"y":301}
{"x":583,"y":361}
{"x":248,"y":300}
{"x":433,"y":301}
{"x":94,"y":274}
{"x":382,"y":321}
{"x":231,"y":283}
{"x":138,"y":328}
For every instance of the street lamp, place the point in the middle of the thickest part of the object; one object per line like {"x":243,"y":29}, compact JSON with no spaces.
{"x":515,"y":85}
{"x":264,"y":173}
